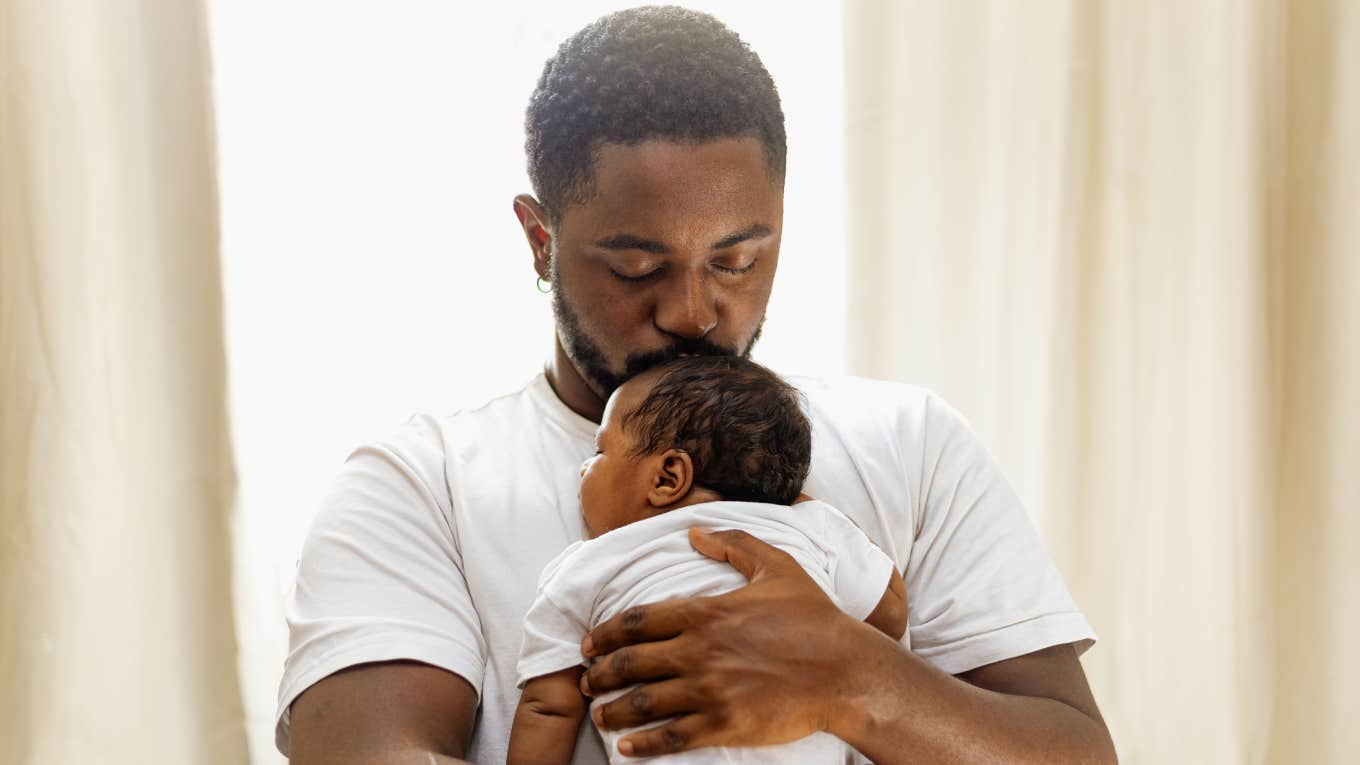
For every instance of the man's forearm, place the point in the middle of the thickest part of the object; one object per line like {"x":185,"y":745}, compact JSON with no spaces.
{"x":897,"y":708}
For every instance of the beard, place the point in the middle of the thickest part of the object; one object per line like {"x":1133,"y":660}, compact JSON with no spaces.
{"x":589,"y":360}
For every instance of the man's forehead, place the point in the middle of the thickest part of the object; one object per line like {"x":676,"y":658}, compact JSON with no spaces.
{"x":673,"y":188}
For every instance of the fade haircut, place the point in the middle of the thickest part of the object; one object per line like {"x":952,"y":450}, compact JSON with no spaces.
{"x":651,"y":72}
{"x":742,"y":426}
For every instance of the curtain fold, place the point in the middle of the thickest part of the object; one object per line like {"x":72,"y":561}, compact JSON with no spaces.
{"x":116,"y":477}
{"x":1122,"y":238}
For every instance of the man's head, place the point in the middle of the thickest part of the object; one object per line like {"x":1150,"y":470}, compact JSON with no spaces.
{"x":641,"y":74}
{"x":656,"y":148}
{"x":692,"y":430}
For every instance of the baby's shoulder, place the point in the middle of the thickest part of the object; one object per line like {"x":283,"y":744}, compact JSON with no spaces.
{"x":585,"y":566}
{"x":559,"y":566}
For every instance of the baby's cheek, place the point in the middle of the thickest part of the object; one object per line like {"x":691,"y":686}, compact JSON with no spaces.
{"x":588,"y":506}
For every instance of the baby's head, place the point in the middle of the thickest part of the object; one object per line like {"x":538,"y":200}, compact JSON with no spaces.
{"x":693,"y":430}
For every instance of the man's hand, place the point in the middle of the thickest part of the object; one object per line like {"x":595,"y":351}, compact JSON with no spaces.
{"x":776,"y":660}
{"x":755,"y":666}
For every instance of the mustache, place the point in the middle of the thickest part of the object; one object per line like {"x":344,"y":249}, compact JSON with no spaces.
{"x":639,"y":363}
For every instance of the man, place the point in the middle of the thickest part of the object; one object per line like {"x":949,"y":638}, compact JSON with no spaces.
{"x":656,"y":149}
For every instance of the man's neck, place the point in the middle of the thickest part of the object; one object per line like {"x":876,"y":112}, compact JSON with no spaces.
{"x":569,"y":386}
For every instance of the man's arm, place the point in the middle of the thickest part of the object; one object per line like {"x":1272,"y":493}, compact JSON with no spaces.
{"x":1033,"y":708}
{"x":728,"y":657}
{"x":389,"y":713}
{"x":890,"y":615}
{"x":549,"y":714}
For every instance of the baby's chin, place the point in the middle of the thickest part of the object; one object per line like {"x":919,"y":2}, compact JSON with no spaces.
{"x":591,"y":530}
{"x":585,"y":524}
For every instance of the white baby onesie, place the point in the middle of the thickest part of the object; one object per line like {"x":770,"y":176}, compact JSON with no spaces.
{"x":652,"y":560}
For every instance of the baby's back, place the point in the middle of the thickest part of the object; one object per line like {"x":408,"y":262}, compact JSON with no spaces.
{"x":630,"y":571}
{"x":654,"y":561}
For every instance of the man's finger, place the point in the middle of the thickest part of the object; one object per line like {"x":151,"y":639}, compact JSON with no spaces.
{"x":645,"y":704}
{"x":631,"y":664}
{"x":751,"y":556}
{"x":639,"y":624}
{"x":689,"y":732}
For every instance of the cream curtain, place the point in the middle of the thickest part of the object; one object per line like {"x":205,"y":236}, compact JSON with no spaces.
{"x":1124,"y":238}
{"x":116,"y":642}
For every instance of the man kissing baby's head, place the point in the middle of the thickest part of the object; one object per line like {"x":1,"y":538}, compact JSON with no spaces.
{"x":696,"y":429}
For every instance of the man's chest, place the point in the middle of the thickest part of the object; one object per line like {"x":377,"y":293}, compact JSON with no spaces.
{"x":515,"y":506}
{"x":513,"y":512}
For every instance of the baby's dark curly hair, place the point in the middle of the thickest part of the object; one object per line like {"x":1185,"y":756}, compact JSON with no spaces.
{"x":651,"y":72}
{"x":742,"y":426}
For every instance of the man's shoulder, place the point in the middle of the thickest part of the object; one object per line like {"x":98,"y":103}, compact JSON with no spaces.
{"x":518,"y":403}
{"x":847,"y":402}
{"x":499,"y":416}
{"x":863,"y":390}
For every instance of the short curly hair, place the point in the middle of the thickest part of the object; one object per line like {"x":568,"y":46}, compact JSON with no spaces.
{"x":650,"y":72}
{"x":741,"y":424}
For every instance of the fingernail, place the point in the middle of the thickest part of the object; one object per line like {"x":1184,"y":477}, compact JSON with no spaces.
{"x":585,"y":685}
{"x":588,"y":646}
{"x":626,"y":748}
{"x":597,"y":714}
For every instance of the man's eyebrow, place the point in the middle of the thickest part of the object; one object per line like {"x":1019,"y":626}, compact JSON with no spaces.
{"x":753,"y":232}
{"x":631,"y":242}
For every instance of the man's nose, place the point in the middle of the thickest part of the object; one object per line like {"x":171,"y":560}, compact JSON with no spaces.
{"x":685,"y":308}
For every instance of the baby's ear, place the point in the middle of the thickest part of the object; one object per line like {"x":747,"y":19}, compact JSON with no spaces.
{"x":673,"y":479}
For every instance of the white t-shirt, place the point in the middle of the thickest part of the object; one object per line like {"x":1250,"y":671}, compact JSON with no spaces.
{"x":429,"y":543}
{"x":652,"y":560}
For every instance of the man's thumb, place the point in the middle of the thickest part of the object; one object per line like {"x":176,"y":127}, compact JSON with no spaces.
{"x":747,"y":554}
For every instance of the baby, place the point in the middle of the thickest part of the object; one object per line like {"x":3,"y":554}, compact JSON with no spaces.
{"x":713,"y":442}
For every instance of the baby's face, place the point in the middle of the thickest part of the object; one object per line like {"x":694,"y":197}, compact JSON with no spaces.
{"x":614,"y":482}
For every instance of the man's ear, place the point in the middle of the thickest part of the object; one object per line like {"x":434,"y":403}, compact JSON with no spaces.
{"x":673,"y":479}
{"x":534,"y":220}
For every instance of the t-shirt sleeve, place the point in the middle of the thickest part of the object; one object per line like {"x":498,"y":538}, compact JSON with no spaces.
{"x":980,"y":586}
{"x":552,"y":639}
{"x":860,"y":571}
{"x":381,"y":577}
